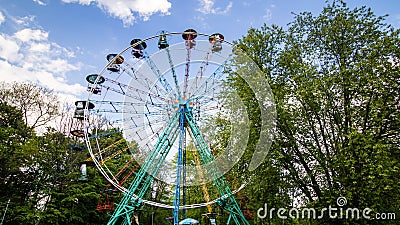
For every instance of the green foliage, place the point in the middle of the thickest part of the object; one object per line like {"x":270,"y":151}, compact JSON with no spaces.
{"x":335,"y":81}
{"x":39,"y":176}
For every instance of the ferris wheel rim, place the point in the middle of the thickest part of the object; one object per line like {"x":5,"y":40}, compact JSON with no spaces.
{"x":100,"y":79}
{"x":153,"y":37}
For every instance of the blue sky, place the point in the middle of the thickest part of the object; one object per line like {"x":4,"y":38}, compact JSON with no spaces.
{"x":56,"y":43}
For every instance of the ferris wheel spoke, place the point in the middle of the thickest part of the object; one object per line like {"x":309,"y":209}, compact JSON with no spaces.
{"x":118,"y":107}
{"x":115,"y":178}
{"x":155,"y":166}
{"x":147,"y":140}
{"x":207,"y":157}
{"x":187,"y":67}
{"x":161,"y":78}
{"x":147,"y":172}
{"x":212,"y":82}
{"x":137,"y":114}
{"x":125,"y":167}
{"x":208,"y":111}
{"x":172,"y":67}
{"x":202,"y":69}
{"x":128,"y":175}
{"x":108,"y":148}
{"x":128,"y":90}
{"x":110,"y":152}
{"x":144,"y":81}
{"x":136,"y":122}
{"x":103,"y":133}
{"x":100,"y":125}
{"x":131,"y":122}
{"x":116,"y":61}
{"x":138,"y":51}
{"x":114,"y":154}
{"x":209,"y":93}
{"x":208,"y":106}
{"x":141,"y":131}
{"x":134,"y":166}
{"x":201,"y":175}
{"x":207,"y":100}
{"x":149,"y":166}
{"x":167,"y":131}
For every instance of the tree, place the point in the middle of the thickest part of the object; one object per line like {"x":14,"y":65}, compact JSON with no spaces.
{"x":335,"y":78}
{"x":39,"y":176}
{"x":16,"y":141}
{"x":38,"y":105}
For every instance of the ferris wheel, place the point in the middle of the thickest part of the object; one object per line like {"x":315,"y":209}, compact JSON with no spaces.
{"x":153,"y":114}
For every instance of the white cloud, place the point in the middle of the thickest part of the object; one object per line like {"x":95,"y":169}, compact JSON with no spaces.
{"x":268,"y":15}
{"x":39,"y":2}
{"x":2,"y":18}
{"x":125,"y":9}
{"x":28,"y":55}
{"x":207,"y":7}
{"x":27,"y":34}
{"x":268,"y":12}
{"x":9,"y":49}
{"x":40,"y":47}
{"x":25,"y":21}
{"x":246,"y":3}
{"x":202,"y":22}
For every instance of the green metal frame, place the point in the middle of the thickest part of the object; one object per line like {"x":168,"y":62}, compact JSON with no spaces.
{"x":132,"y":200}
